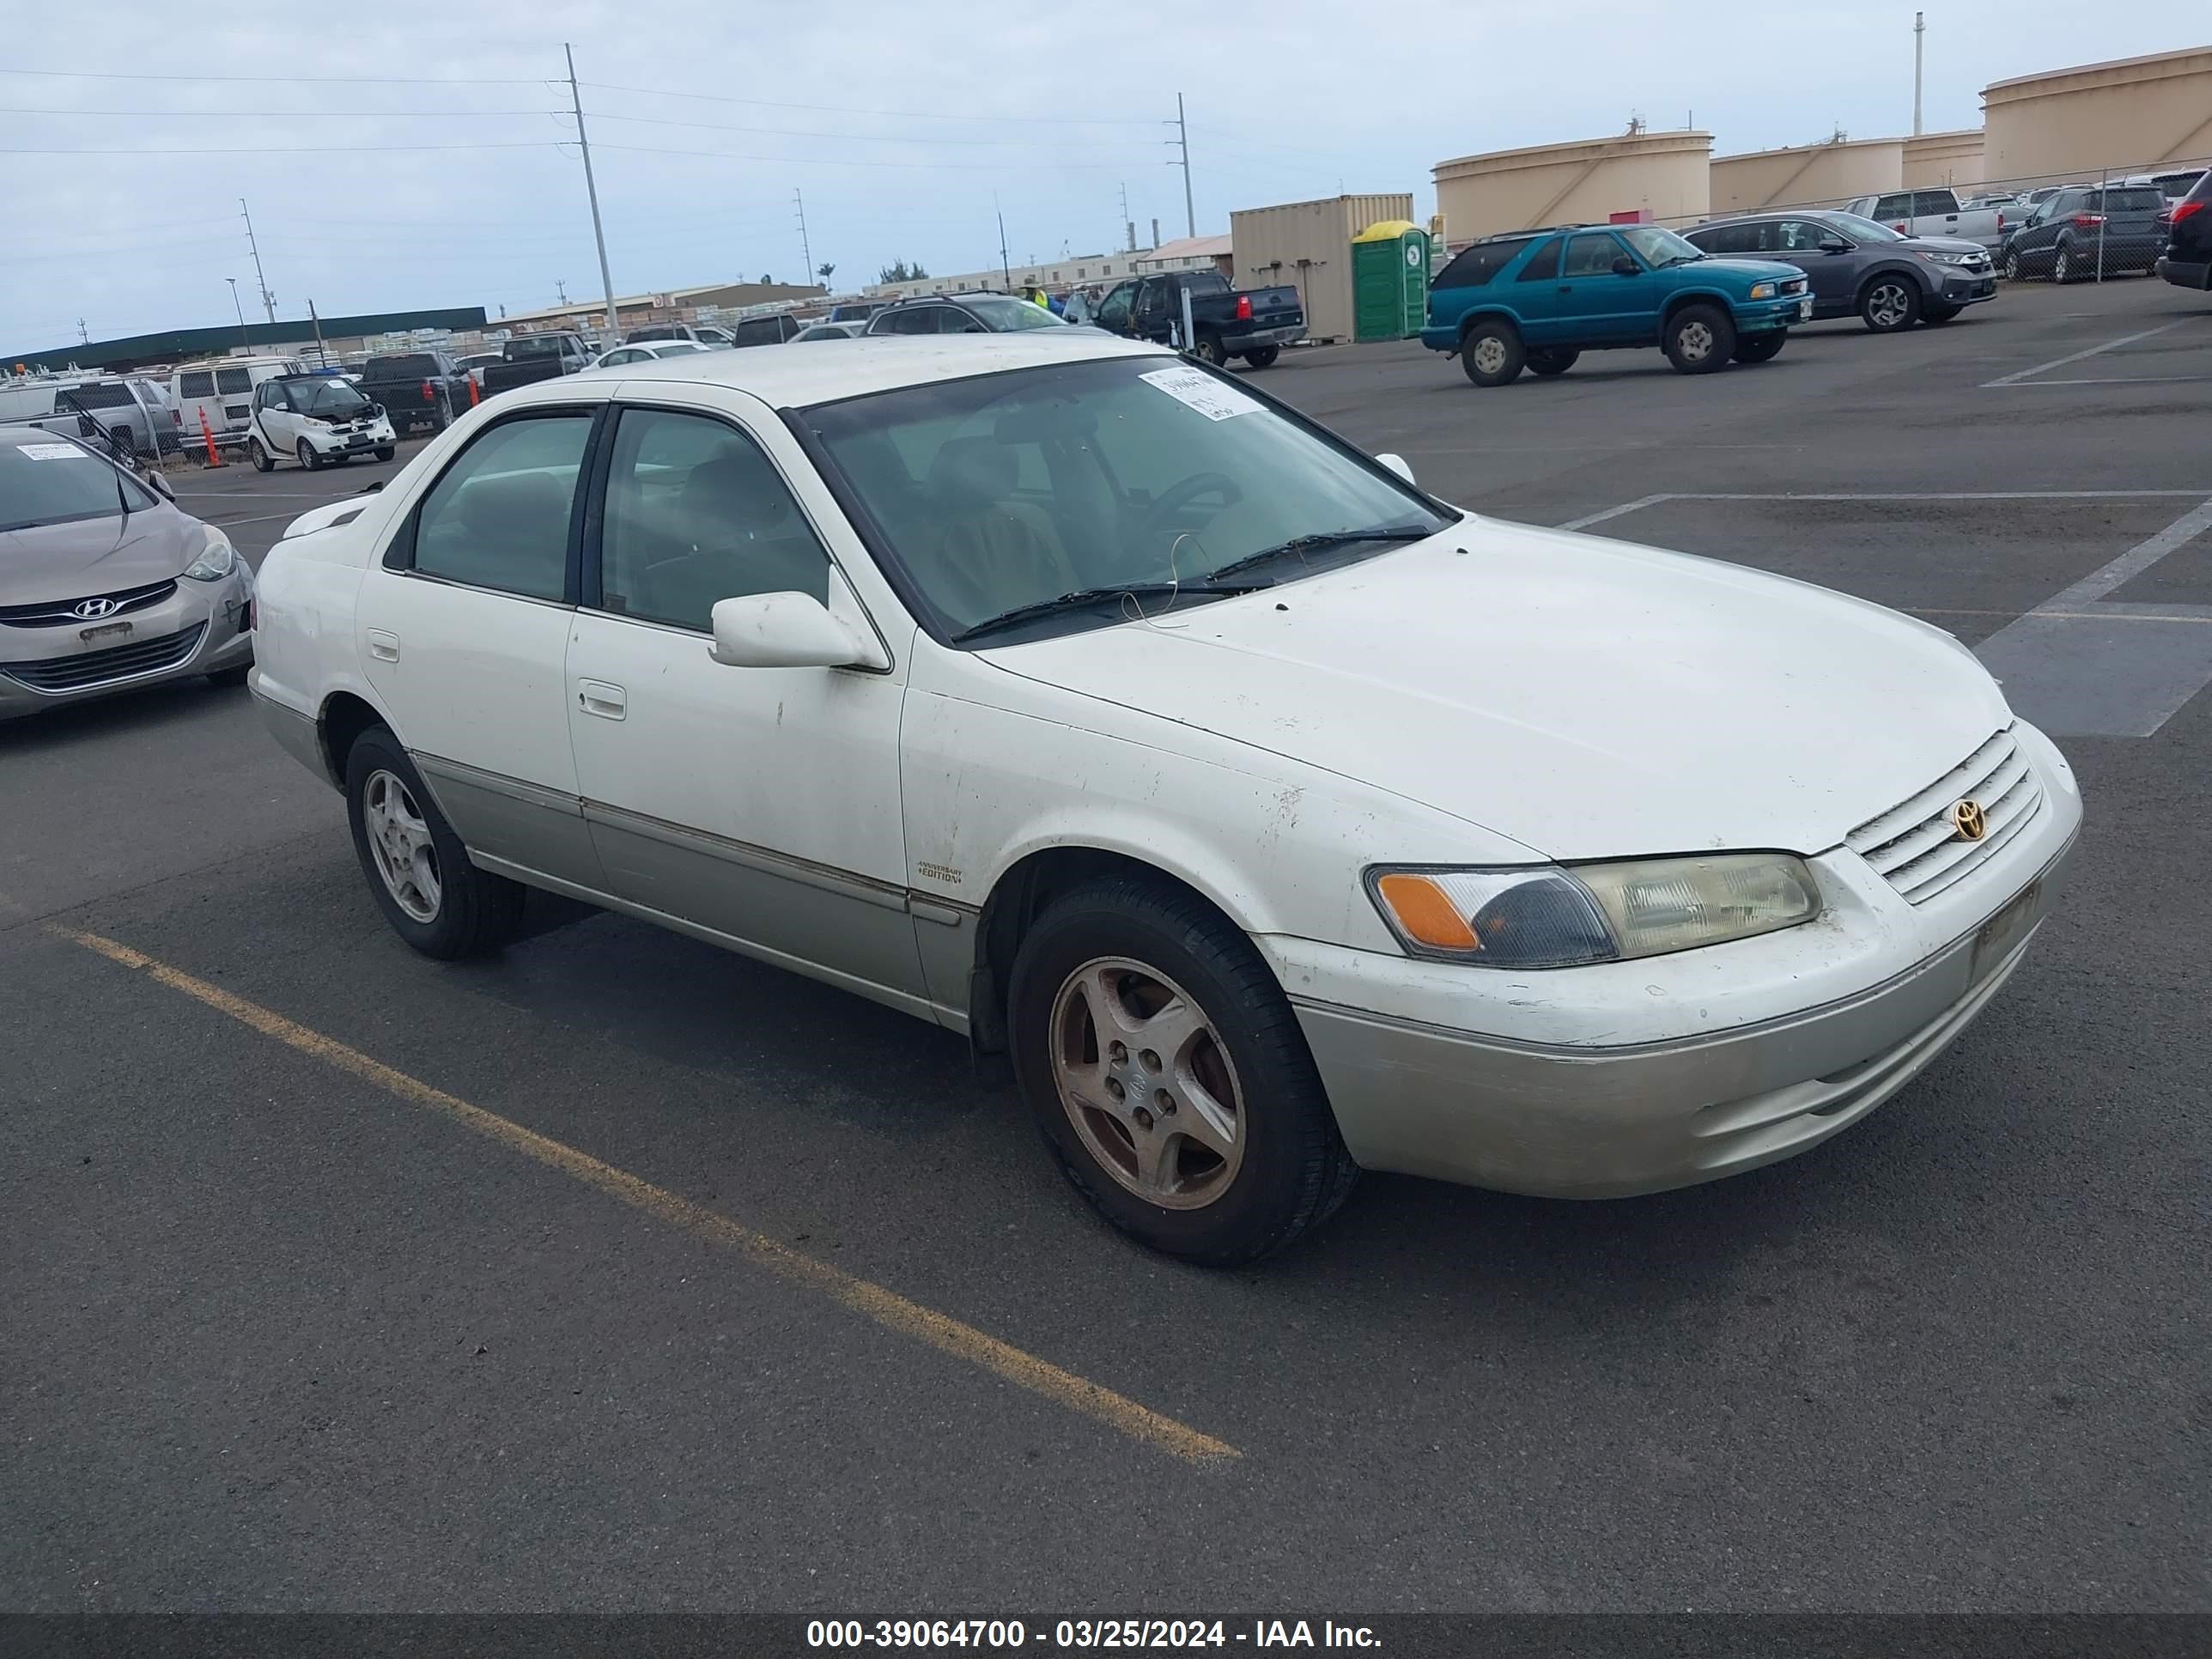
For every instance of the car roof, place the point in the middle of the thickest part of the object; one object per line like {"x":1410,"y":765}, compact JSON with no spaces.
{"x":800,"y":378}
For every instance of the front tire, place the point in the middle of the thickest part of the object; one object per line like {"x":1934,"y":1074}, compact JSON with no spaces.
{"x":1761,"y":348}
{"x":418,"y":871}
{"x":1168,"y":1075}
{"x":308,"y":458}
{"x":1699,"y":339}
{"x":385,"y":452}
{"x":1492,"y":353}
{"x":1549,"y":361}
{"x":1890,"y":304}
{"x":1264,"y":357}
{"x":2015,"y":271}
{"x":262,"y":460}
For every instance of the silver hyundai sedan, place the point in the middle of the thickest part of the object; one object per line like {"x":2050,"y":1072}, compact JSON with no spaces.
{"x":106,"y":585}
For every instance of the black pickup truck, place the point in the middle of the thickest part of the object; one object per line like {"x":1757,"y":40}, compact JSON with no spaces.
{"x":529,"y":358}
{"x":1254,"y":323}
{"x":416,"y":388}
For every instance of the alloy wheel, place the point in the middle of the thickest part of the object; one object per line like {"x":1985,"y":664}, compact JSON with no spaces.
{"x":1888,"y":306}
{"x":1147,"y":1082}
{"x":400,"y":845}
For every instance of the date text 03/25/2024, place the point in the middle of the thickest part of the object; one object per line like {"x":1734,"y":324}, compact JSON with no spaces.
{"x":1123,"y":1634}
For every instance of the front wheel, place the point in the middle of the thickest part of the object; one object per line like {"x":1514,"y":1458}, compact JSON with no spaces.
{"x":1699,"y":339}
{"x":1492,"y":353}
{"x":1552,"y":360}
{"x":1761,"y":348}
{"x":2014,"y":270}
{"x":418,"y":871}
{"x":385,"y":452}
{"x":1890,"y":304}
{"x":308,"y":458}
{"x":1264,"y":357}
{"x":1168,"y":1075}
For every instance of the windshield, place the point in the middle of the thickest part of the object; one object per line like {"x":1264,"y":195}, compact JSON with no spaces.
{"x":334,"y":400}
{"x":57,"y":481}
{"x":1863,"y":230}
{"x":1004,"y":316}
{"x":1660,"y":247}
{"x":1008,"y":490}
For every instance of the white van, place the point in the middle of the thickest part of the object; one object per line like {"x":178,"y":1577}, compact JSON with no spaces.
{"x":130,"y":412}
{"x":222,"y":390}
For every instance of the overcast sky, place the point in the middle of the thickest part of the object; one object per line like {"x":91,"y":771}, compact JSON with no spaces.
{"x":906,"y":126}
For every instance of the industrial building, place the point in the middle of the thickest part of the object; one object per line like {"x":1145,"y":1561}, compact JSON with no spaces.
{"x":1070,"y":270}
{"x":293,"y":337}
{"x":1665,"y":176}
{"x":1832,"y":172}
{"x":675,"y":304}
{"x":1942,"y":158}
{"x":2128,"y":114}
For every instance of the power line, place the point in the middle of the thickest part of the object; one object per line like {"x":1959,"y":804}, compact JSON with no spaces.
{"x":283,"y":80}
{"x":284,"y":115}
{"x":894,"y":114}
{"x":823,"y":161}
{"x":280,"y":149}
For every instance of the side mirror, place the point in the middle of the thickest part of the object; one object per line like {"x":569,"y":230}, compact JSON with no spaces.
{"x":787,"y":630}
{"x":1397,"y":464}
{"x":1625,"y":266}
{"x":1835,"y":245}
{"x":158,"y":485}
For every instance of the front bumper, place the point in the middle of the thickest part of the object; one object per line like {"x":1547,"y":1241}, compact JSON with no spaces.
{"x":1641,"y":1076}
{"x":202,"y":628}
{"x":1958,"y":288}
{"x":1763,"y":316}
{"x":376,"y":436}
{"x":2186,"y":273}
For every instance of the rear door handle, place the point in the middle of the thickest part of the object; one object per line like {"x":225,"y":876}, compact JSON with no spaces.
{"x":608,"y":702}
{"x":383,"y":645}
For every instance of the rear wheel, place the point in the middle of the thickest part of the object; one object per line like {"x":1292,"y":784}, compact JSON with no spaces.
{"x":1491,"y":354}
{"x":2062,"y":266}
{"x":1167,"y":1073}
{"x":1699,"y":339}
{"x":1210,"y":349}
{"x":418,"y":871}
{"x":262,"y":460}
{"x":1760,"y":348}
{"x":1890,"y":304}
{"x":308,"y":458}
{"x":1552,"y":360}
{"x":1264,"y":357}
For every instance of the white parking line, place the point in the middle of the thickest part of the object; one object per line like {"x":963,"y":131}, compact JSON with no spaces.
{"x":2131,"y":563}
{"x":2109,"y":379}
{"x":1641,"y":502}
{"x":2076,"y":356}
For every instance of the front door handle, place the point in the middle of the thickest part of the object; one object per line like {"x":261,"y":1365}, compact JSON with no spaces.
{"x":383,"y":645}
{"x":608,"y":702}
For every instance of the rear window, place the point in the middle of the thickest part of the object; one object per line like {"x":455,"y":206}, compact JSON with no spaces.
{"x":1476,"y":265}
{"x":759,"y":329}
{"x":406,"y":366}
{"x":2202,"y":192}
{"x":547,"y":345}
{"x":233,"y":381}
{"x":93,"y":397}
{"x":1208,"y":281}
{"x":199,"y":383}
{"x":2134,"y":198}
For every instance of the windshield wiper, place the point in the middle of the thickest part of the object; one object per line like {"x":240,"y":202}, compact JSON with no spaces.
{"x":1088,"y":596}
{"x":1321,"y":542}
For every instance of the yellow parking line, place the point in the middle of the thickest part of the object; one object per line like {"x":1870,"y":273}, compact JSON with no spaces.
{"x":871,"y":1301}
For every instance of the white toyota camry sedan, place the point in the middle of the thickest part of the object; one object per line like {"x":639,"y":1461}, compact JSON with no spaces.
{"x":1274,"y":819}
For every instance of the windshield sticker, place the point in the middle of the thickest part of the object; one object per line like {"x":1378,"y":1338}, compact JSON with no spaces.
{"x":1201,"y":392}
{"x":55,"y":451}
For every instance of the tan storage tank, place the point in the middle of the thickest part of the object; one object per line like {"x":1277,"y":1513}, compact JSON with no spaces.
{"x":1665,"y":175}
{"x":1309,"y":245}
{"x":1802,"y":173}
{"x":1936,"y":159}
{"x":2129,"y":114}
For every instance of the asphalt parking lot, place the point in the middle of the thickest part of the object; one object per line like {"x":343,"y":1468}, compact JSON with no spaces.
{"x":619,"y":1273}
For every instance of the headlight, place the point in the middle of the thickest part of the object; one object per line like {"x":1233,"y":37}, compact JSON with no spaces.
{"x":1762,"y":291}
{"x":1554,"y":917}
{"x":1949,"y":258}
{"x":217,"y":560}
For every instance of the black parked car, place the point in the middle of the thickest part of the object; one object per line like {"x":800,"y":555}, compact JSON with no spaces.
{"x":1858,"y":268}
{"x":961,"y":313}
{"x":2187,"y":261}
{"x":416,"y":388}
{"x":2074,"y":233}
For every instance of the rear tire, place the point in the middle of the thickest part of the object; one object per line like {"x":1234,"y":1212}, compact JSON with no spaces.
{"x":1264,"y":357}
{"x":1761,"y":348}
{"x":1492,"y":353}
{"x":1699,"y":339}
{"x":2062,"y":268}
{"x":308,"y":458}
{"x":262,"y":460}
{"x":1890,"y":304}
{"x":1103,"y":967}
{"x":452,"y":910}
{"x":1210,"y":351}
{"x":1548,"y":361}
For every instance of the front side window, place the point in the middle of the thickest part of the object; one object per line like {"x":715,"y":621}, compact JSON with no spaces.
{"x":1009,"y":489}
{"x":1591,"y":254}
{"x":1114,"y":309}
{"x":499,"y":517}
{"x":1863,"y":230}
{"x":696,"y":513}
{"x":1801,"y":236}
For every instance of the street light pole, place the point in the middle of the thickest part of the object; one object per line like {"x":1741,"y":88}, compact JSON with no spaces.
{"x":1919,"y":28}
{"x":1182,"y":137}
{"x":245,"y":334}
{"x":592,"y":189}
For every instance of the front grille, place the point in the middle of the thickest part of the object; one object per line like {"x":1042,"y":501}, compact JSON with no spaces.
{"x":1916,"y":845}
{"x":91,"y":668}
{"x":60,"y":613}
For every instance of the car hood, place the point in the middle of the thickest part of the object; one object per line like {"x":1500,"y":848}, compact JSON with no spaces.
{"x":1585,"y":697}
{"x":1752,"y":270}
{"x":96,"y":556}
{"x":1936,"y":244}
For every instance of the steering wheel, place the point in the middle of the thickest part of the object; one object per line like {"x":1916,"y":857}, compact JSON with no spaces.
{"x":1159,"y":516}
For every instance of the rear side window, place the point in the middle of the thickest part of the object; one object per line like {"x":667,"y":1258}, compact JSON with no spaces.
{"x":763,"y":330}
{"x":197,"y":383}
{"x":499,"y":518}
{"x":411,"y":366}
{"x":1476,"y":265}
{"x":1727,"y":238}
{"x":1934,"y":201}
{"x":232,"y":381}
{"x":1893,"y":207}
{"x":1545,"y":265}
{"x":2134,"y":198}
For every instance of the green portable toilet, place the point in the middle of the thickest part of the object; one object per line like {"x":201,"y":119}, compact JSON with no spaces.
{"x":1389,"y":281}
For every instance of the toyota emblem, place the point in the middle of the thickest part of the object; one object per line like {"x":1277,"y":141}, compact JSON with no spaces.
{"x":92,"y":609}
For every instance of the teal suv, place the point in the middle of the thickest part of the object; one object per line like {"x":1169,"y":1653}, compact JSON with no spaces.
{"x":1539,"y":299}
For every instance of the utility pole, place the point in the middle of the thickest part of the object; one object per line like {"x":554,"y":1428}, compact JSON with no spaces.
{"x":245,"y":334}
{"x":592,"y":189}
{"x":804,"y":247}
{"x":1181,"y":141}
{"x":268,"y":300}
{"x":1128,"y":225}
{"x":84,"y":336}
{"x":1919,"y":28}
{"x":322,"y":351}
{"x":560,"y":288}
{"x":1006,"y":270}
